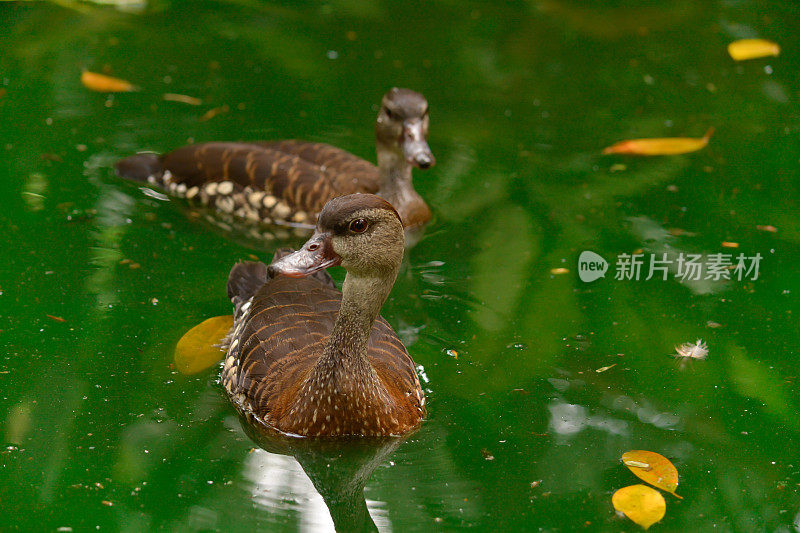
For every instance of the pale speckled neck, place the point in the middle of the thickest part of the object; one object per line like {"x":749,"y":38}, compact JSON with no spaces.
{"x":362,"y":299}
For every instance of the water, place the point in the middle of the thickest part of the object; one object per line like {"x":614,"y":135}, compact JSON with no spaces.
{"x":100,"y":432}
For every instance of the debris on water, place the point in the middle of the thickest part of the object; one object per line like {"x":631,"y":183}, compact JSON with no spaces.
{"x":557,"y":271}
{"x":452,"y":353}
{"x":487,"y":454}
{"x":697,"y":350}
{"x":770,"y":229}
{"x":182,"y":98}
{"x":604,"y":368}
{"x":728,"y":244}
{"x":660,"y":146}
{"x":753,"y":49}
{"x":211,"y":113}
{"x":56,"y":318}
{"x":105,"y":84}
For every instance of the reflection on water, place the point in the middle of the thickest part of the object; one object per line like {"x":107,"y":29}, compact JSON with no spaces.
{"x":323,"y":481}
{"x":102,"y":433}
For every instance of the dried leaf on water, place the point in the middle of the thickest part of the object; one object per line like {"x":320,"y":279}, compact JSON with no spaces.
{"x":640,"y":503}
{"x":653,"y":468}
{"x":660,"y":146}
{"x":105,"y":84}
{"x":604,"y":368}
{"x":211,"y":113}
{"x":752,"y":49}
{"x":182,"y":98}
{"x":198,"y":349}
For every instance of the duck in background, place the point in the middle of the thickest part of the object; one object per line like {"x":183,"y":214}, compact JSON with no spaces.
{"x":280,"y":182}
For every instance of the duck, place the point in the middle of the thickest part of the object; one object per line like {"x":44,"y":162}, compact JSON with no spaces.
{"x":278,"y":182}
{"x":308,"y":360}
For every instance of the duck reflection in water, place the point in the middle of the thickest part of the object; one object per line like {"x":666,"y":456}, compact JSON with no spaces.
{"x":338,"y":469}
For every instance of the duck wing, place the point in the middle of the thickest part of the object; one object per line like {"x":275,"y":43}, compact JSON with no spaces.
{"x":270,"y":183}
{"x":351,"y":173}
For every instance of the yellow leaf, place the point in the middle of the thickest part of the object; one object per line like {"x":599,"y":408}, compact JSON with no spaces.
{"x":653,"y":468}
{"x":752,"y":49}
{"x":105,"y":84}
{"x":640,"y":503}
{"x":660,"y":146}
{"x":197,"y":349}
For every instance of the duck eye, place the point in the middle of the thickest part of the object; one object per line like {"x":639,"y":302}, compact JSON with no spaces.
{"x":359,"y":225}
{"x":389,"y":113}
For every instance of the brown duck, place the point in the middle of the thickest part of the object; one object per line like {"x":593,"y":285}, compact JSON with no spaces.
{"x":306,"y":359}
{"x":290,"y":181}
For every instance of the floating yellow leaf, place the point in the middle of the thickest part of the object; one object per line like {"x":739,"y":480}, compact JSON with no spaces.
{"x":652,"y":468}
{"x":752,"y":49}
{"x":197,"y":349}
{"x":105,"y":84}
{"x":640,"y":503}
{"x":660,"y":146}
{"x":604,"y":368}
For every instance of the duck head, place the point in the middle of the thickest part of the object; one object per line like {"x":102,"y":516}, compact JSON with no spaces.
{"x":361,"y":232}
{"x":402,"y":128}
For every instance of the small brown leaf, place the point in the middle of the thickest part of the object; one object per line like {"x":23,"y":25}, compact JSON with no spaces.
{"x":752,"y":49}
{"x":653,"y":468}
{"x":726,"y":244}
{"x":558,"y":271}
{"x":211,"y":113}
{"x":105,"y":84}
{"x":198,"y":349}
{"x":770,"y":229}
{"x":182,"y":98}
{"x":640,"y":503}
{"x":660,"y":146}
{"x":604,"y":368}
{"x":56,"y":318}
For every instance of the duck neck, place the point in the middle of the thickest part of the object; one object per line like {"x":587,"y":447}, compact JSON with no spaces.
{"x":362,"y":298}
{"x":396,"y":186}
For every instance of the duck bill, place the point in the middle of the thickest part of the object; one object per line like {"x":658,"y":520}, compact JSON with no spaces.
{"x":415,"y":146}
{"x":316,"y":254}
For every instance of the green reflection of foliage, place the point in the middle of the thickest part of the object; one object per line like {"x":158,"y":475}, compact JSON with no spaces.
{"x":756,"y":380}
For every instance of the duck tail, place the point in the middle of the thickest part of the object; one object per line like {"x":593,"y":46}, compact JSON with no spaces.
{"x":144,"y":167}
{"x":245,"y":279}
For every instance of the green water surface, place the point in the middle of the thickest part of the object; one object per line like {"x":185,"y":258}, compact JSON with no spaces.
{"x":99,"y":431}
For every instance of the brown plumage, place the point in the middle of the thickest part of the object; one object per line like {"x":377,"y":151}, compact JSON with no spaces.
{"x":309,"y":360}
{"x":290,"y":181}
